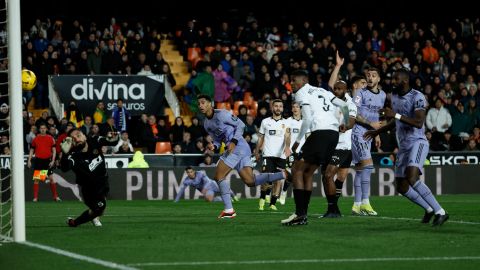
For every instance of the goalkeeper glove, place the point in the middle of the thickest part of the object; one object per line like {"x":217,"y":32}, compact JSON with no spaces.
{"x":66,"y":145}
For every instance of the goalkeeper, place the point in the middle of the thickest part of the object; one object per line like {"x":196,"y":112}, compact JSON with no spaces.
{"x":84,"y":157}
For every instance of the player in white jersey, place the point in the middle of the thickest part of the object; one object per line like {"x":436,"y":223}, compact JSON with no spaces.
{"x":342,"y":158}
{"x":319,"y":108}
{"x":295,"y":124}
{"x":274,"y":143}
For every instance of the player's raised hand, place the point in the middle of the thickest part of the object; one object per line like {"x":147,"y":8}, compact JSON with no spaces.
{"x":66,"y":145}
{"x":339,"y":60}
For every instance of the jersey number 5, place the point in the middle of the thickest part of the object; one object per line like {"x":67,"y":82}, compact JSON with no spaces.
{"x":325,"y":107}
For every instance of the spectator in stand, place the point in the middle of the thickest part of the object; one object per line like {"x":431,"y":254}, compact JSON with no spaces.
{"x":94,"y":61}
{"x":471,"y":146}
{"x":99,"y":116}
{"x":87,"y":125}
{"x":30,"y":136}
{"x":177,"y":130}
{"x":123,"y":140}
{"x":168,"y":73}
{"x":121,"y":116}
{"x":200,"y":146}
{"x":94,"y":131}
{"x":242,"y":113}
{"x":196,"y":130}
{"x":42,"y":119}
{"x":109,"y":126}
{"x":207,"y":161}
{"x":438,"y":118}
{"x":460,"y":119}
{"x":125,"y":148}
{"x":144,"y":135}
{"x":429,"y":53}
{"x":476,"y":135}
{"x":74,"y":115}
{"x":224,"y":85}
{"x":163,"y":130}
{"x":177,"y":149}
{"x":448,"y":142}
{"x":203,"y":84}
{"x":188,"y":146}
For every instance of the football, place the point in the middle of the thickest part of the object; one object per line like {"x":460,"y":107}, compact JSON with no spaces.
{"x":29,"y":80}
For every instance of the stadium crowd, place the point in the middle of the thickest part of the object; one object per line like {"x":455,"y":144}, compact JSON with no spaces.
{"x":241,"y":60}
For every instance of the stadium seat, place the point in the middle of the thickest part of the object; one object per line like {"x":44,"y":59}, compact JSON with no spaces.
{"x":209,"y":49}
{"x":247,"y":98}
{"x":194,"y":53}
{"x":163,"y":148}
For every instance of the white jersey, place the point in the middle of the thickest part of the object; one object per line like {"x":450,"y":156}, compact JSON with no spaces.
{"x":320,"y":102}
{"x":274,"y":137}
{"x":295,"y":126}
{"x":345,"y":139}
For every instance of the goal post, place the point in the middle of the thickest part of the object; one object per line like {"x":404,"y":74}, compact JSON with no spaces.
{"x":16,"y":121}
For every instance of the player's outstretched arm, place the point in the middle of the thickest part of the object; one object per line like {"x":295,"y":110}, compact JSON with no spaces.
{"x":336,"y":71}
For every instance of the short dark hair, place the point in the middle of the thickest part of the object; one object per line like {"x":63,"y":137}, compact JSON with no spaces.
{"x":403,"y":72}
{"x":374,"y":69}
{"x":72,"y":130}
{"x":188,"y":168}
{"x":207,"y":97}
{"x":299,"y":72}
{"x":277,"y":100}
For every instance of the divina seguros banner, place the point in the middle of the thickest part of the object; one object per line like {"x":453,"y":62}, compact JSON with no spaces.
{"x":140,"y":94}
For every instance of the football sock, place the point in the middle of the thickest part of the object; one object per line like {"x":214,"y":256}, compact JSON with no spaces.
{"x":357,"y":183}
{"x":273,"y":200}
{"x":427,"y":195}
{"x":53,"y":188}
{"x":299,"y":201}
{"x":286,"y":185}
{"x":263,"y":194}
{"x":35,"y":190}
{"x":225,"y":193}
{"x":338,"y":186}
{"x":332,"y":202}
{"x":306,"y":200}
{"x":365,"y":182}
{"x":413,"y":196}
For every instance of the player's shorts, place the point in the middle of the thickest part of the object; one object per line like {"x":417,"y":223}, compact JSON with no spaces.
{"x":413,"y":154}
{"x":272,"y":164}
{"x":211,"y":188}
{"x":240,"y":158}
{"x":360,"y":148}
{"x":341,"y":158}
{"x":42,"y":164}
{"x":319,"y":147}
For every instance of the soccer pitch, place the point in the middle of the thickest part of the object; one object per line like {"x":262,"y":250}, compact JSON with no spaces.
{"x":188,"y":235}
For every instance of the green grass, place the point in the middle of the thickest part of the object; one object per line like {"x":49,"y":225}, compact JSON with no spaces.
{"x":139,"y":232}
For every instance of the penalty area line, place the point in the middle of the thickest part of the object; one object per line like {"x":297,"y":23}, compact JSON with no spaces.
{"x":79,"y":257}
{"x":345,"y":260}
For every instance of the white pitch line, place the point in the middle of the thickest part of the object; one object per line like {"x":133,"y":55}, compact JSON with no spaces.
{"x":465,"y":258}
{"x":79,"y":257}
{"x":280,"y":212}
{"x":372,"y":217}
